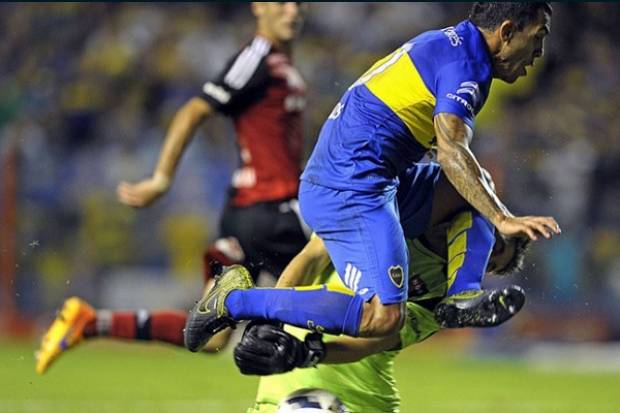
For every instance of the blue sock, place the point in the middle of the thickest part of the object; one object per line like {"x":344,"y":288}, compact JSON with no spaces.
{"x":470,"y":242}
{"x":317,"y":308}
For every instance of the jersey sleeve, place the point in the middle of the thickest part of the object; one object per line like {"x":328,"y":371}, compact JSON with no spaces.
{"x":461,"y":89}
{"x":244,"y":78}
{"x":419,"y":325}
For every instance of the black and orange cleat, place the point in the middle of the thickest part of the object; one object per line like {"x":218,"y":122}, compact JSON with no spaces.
{"x":66,"y":331}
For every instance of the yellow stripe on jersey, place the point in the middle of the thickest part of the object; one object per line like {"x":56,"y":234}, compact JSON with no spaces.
{"x":457,"y":244}
{"x":397,"y":83}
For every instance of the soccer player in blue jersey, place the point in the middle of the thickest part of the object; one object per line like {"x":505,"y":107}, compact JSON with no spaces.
{"x":424,"y":96}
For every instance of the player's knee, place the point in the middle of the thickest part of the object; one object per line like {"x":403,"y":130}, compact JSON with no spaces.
{"x":388,"y":323}
{"x":381,"y":320}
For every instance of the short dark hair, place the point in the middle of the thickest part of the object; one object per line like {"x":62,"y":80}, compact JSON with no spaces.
{"x":489,"y":15}
{"x":516,"y":262}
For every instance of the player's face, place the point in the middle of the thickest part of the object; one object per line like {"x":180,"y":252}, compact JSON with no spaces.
{"x":520,"y":48}
{"x":281,"y":20}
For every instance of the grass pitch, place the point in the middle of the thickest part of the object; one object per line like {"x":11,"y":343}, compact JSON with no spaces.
{"x":111,"y":377}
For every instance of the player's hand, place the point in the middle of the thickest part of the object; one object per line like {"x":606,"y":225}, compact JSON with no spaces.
{"x":267,"y":349}
{"x":143,"y":193}
{"x":529,"y":226}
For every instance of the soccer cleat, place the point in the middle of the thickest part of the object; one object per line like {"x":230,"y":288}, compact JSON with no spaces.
{"x":480,"y":308}
{"x":65,"y":332}
{"x":210,"y":315}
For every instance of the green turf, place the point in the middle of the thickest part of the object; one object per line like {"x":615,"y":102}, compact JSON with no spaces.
{"x":109,"y":377}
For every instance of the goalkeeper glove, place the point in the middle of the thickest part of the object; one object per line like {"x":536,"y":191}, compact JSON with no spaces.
{"x":267,"y":349}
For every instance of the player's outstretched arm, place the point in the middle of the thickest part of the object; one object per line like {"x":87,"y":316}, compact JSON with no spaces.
{"x":350,"y":349}
{"x":267,"y":349}
{"x":309,"y":263}
{"x":463,"y":171}
{"x":180,"y":133}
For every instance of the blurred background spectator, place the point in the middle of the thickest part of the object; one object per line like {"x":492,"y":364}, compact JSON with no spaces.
{"x":87,"y":91}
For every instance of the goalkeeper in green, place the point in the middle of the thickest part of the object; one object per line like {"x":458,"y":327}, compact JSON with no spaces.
{"x":447,"y":263}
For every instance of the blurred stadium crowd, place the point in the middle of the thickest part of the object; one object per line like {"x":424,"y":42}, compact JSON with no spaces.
{"x":88,"y":90}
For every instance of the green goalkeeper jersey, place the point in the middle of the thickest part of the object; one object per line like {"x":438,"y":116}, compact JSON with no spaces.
{"x":368,"y":385}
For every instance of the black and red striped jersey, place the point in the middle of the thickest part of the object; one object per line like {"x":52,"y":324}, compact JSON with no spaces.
{"x":265,"y":95}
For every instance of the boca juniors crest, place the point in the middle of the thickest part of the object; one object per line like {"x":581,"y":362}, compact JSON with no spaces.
{"x":396,"y":275}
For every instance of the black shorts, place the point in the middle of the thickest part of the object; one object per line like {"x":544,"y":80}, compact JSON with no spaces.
{"x":269,"y":233}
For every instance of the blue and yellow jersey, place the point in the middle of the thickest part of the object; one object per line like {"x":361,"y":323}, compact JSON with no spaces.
{"x":384,"y":122}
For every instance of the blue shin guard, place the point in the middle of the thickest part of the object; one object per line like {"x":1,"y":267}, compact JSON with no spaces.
{"x":322,"y":308}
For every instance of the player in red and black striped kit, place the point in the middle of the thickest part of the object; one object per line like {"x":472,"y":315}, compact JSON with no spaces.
{"x":263,"y":93}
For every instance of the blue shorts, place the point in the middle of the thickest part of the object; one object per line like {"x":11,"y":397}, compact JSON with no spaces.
{"x":415,"y":197}
{"x":363,"y":234}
